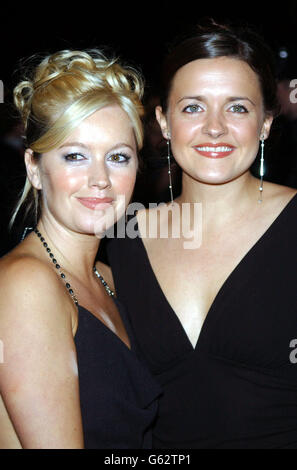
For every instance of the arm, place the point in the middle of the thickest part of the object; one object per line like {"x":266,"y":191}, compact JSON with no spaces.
{"x":38,"y":380}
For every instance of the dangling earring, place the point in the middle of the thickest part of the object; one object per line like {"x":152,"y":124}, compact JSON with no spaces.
{"x":261,"y":170}
{"x":169,"y":169}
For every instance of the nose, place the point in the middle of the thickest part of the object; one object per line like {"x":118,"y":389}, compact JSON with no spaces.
{"x":99,"y":176}
{"x":214,"y":125}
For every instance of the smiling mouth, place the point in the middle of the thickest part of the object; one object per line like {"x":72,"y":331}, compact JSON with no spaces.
{"x":215,"y":151}
{"x":95,"y":202}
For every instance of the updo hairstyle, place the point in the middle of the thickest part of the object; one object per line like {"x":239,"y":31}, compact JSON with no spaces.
{"x":64,"y":89}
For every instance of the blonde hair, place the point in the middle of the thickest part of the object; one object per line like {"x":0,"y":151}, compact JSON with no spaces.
{"x":64,"y":89}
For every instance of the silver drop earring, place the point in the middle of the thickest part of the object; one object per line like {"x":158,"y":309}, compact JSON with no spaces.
{"x":261,"y":171}
{"x":169,"y":170}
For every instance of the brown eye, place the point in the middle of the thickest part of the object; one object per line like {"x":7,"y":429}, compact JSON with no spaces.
{"x":116,"y":157}
{"x":119,"y":158}
{"x":74,"y":157}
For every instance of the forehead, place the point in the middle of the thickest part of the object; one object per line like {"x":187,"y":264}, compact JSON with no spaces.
{"x":108,"y":121}
{"x":105,"y":119}
{"x":222,"y":75}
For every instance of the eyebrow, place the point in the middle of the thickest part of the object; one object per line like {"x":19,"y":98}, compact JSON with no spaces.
{"x":241,"y":98}
{"x":231,"y":98}
{"x":74,"y":144}
{"x":81,"y":144}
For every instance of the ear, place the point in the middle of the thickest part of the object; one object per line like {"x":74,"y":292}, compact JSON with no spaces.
{"x":33,"y":171}
{"x":162,"y":120}
{"x":266,"y":127}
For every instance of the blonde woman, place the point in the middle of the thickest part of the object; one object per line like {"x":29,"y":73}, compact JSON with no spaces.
{"x":70,"y":375}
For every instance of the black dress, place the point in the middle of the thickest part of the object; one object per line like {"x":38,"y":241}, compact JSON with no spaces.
{"x":238,"y":387}
{"x":117,"y":393}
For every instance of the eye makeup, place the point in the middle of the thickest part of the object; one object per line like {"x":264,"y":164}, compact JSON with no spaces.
{"x":119,"y":158}
{"x":70,"y":157}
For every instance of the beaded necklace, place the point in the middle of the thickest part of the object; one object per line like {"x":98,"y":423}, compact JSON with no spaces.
{"x":63,"y":276}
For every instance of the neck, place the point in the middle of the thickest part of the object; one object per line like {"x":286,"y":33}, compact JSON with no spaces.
{"x":75,"y":252}
{"x":221,"y":202}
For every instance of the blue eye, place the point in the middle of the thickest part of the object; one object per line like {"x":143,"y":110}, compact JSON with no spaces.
{"x":238,"y":108}
{"x":192,"y":108}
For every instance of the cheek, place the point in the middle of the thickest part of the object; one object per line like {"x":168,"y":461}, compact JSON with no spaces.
{"x":247,"y":133}
{"x":63,"y":182}
{"x":183,"y":131}
{"x":124,"y":184}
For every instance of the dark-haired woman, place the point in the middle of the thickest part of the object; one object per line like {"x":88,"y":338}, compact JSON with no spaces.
{"x":216,"y":320}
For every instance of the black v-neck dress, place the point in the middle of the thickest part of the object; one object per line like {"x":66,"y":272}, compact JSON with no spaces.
{"x":118,"y":396}
{"x":238,"y":387}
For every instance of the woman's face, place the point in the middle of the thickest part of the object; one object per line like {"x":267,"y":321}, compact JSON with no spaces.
{"x":88,"y":181}
{"x":215,"y":119}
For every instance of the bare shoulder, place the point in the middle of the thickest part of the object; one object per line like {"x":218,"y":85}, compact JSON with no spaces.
{"x":25,"y":272}
{"x":279,"y":195}
{"x":28,"y":287}
{"x":39,"y":370}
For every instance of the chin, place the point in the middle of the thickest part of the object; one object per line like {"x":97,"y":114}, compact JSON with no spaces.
{"x":211,"y":178}
{"x":83,"y":225}
{"x":86,"y":229}
{"x":222,"y":176}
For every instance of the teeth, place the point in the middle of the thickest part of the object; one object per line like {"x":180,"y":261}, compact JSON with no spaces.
{"x":214,"y":149}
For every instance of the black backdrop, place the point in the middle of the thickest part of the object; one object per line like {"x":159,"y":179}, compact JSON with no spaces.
{"x":138,"y":32}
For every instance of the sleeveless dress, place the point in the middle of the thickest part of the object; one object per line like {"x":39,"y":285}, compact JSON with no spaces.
{"x":237,"y":388}
{"x":117,"y":393}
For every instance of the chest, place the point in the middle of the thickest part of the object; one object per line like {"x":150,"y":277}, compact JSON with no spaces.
{"x":192,"y":279}
{"x":103,"y":307}
{"x":249,"y":316}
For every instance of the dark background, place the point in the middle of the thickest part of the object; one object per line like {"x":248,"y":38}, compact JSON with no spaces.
{"x":138,"y":32}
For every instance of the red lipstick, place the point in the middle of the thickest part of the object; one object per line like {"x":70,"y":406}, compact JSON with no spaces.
{"x":219,"y":150}
{"x":95,"y":202}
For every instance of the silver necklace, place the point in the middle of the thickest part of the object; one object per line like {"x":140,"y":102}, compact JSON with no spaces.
{"x":63,"y":276}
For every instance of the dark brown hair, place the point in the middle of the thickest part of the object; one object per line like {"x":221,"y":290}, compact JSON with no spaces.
{"x":210,"y":40}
